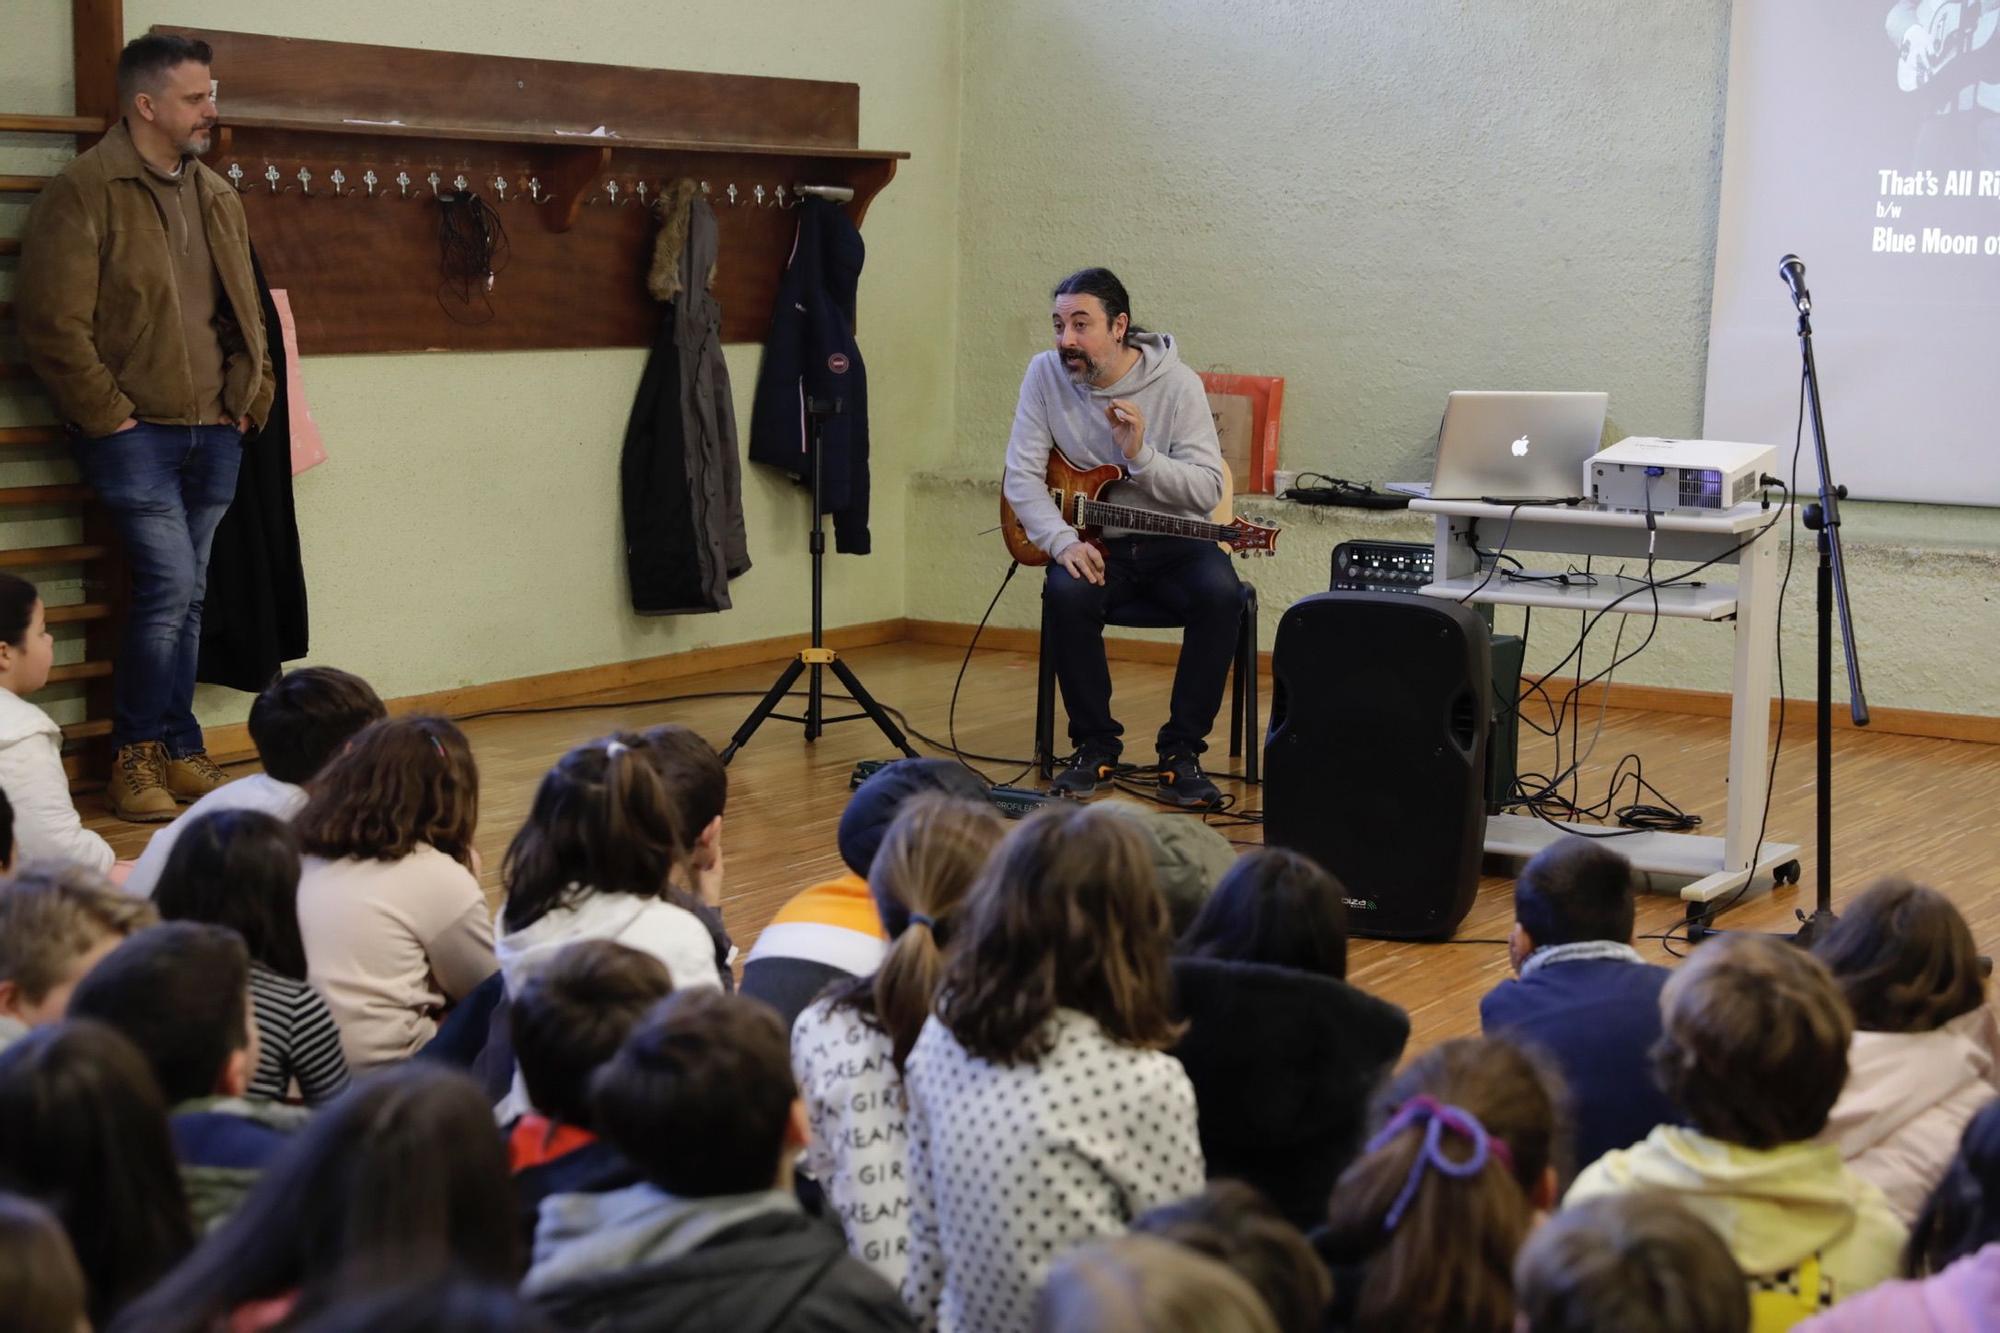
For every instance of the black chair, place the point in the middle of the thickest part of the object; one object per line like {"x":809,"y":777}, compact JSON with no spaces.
{"x":1144,"y":615}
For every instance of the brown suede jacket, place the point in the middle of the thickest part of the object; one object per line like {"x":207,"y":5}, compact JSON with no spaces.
{"x":98,"y":309}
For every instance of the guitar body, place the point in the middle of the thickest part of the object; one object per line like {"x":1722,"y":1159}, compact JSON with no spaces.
{"x":1069,"y":487}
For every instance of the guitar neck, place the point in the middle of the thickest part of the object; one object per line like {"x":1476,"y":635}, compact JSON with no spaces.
{"x":1100,"y":514}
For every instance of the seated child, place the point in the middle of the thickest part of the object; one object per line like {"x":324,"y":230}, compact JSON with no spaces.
{"x":56,"y":921}
{"x":239,"y":868}
{"x":83,"y":1132}
{"x":1953,"y":1260}
{"x":697,"y":786}
{"x":1142,"y":1284}
{"x":1583,"y":995}
{"x":41,"y":1288}
{"x":700,"y":1098}
{"x":1232,"y":1222}
{"x":831,"y":932}
{"x":301,"y":720}
{"x":569,"y":1019}
{"x":1423,"y":1228}
{"x":46,"y":824}
{"x":181,"y":993}
{"x":1753,"y":1047}
{"x":395,"y":925}
{"x":1633,"y":1262}
{"x":1260,"y":976}
{"x":1926,"y":1050}
{"x":850,"y":1045}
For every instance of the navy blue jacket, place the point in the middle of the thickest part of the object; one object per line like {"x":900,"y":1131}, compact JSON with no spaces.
{"x":1598,"y":1019}
{"x":810,"y":352}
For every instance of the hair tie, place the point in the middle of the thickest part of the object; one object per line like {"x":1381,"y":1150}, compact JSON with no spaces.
{"x":436,"y":744}
{"x":1438,"y":1117}
{"x":919,"y":919}
{"x":612,"y":749}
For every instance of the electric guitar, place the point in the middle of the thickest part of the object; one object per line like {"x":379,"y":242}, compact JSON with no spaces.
{"x":1075,"y":490}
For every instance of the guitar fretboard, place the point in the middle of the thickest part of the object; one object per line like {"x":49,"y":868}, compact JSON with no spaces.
{"x":1099,"y":514}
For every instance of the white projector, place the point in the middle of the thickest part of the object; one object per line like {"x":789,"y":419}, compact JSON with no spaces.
{"x":1642,"y":472}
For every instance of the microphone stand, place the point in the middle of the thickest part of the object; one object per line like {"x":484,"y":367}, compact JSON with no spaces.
{"x":1823,"y":518}
{"x":818,"y":657}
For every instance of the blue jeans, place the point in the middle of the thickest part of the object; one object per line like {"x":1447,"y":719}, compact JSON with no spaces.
{"x":167,"y":488}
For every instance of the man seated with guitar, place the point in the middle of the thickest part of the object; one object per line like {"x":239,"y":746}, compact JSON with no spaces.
{"x":1112,"y":393}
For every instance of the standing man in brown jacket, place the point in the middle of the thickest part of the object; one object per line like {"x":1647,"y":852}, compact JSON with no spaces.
{"x":139,"y":312}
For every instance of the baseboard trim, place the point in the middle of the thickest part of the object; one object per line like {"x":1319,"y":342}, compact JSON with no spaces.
{"x":1799,"y":713}
{"x":231,"y":743}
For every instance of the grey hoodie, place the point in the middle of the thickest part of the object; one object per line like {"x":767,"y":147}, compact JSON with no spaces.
{"x":583,"y":1235}
{"x":1178,"y":472}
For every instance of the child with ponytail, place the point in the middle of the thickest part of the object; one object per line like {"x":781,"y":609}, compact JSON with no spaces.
{"x":597,"y":860}
{"x":849,"y":1047}
{"x":1425,"y":1224}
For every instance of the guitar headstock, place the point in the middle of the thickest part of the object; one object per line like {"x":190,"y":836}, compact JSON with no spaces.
{"x":1248,"y":537}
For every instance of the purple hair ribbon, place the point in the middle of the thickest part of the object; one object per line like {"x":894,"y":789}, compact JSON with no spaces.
{"x":1437,"y":1117}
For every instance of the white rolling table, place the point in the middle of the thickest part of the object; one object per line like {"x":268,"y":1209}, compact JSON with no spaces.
{"x":1703,"y":866}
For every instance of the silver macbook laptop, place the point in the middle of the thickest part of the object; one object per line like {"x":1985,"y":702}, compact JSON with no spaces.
{"x":1515,"y":447}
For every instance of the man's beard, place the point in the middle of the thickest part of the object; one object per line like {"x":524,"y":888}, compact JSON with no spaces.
{"x":197,"y":143}
{"x":1080,"y":367}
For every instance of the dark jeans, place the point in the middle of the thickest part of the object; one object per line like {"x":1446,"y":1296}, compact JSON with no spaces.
{"x":1153,"y":581}
{"x":167,"y":488}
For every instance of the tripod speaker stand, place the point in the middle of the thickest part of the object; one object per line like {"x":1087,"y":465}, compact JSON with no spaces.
{"x":817,"y":658}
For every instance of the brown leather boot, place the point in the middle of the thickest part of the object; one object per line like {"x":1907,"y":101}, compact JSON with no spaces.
{"x":193,"y":776}
{"x":138,"y":791}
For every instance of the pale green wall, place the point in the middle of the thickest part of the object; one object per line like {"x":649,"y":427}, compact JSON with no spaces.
{"x":466,"y":528}
{"x":1383,"y":204}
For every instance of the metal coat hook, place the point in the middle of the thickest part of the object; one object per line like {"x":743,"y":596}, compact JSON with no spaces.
{"x":611,"y":192}
{"x":403,"y":183}
{"x":368,"y":178}
{"x":758,"y":195}
{"x":339,"y":179}
{"x":781,"y":197}
{"x":640,"y":190}
{"x":305,"y":181}
{"x":459,"y":183}
{"x":235,"y":174}
{"x":535,"y":189}
{"x":732,"y":194}
{"x":434,"y":178}
{"x":705,"y":189}
{"x":500,"y":188}
{"x":271,"y":175}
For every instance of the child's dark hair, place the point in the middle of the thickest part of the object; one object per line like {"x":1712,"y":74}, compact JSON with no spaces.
{"x":930,"y":857}
{"x":1903,"y":958}
{"x":402,"y":1179}
{"x":405,"y":782}
{"x":303,"y":718}
{"x":1067,"y":914}
{"x":240,"y":869}
{"x":180,"y":992}
{"x":1753,"y":1041}
{"x":6,"y":832}
{"x":718,"y":1069}
{"x":1574,"y":890}
{"x":1962,"y":1215}
{"x":601,"y":822}
{"x":571,"y":1017}
{"x":1232,"y":1222}
{"x":697,"y":783}
{"x":83,"y":1130}
{"x":1277,"y":907}
{"x":1638,"y":1263}
{"x":17,"y":608}
{"x":41,"y":1287}
{"x":1442,"y":1256}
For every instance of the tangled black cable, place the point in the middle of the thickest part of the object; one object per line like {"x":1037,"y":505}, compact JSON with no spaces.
{"x":472,"y":250}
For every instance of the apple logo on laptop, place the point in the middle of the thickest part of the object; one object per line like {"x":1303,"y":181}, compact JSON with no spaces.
{"x":1520,"y":447}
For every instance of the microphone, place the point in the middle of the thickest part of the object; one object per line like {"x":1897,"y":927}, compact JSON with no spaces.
{"x":1792,"y":272}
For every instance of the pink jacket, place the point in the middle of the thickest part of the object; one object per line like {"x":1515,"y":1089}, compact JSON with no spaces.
{"x":1965,"y":1298}
{"x":1907,"y":1100}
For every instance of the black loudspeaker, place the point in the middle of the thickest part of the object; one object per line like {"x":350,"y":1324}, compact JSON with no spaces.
{"x":1375,"y":761}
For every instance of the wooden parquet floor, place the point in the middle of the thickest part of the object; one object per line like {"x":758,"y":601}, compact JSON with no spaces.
{"x":1916,"y":806}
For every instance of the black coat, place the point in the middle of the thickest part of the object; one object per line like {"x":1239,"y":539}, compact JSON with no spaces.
{"x":780,"y":1273}
{"x":253,"y":616}
{"x":1283,"y":1063}
{"x":810,"y":352}
{"x":680,"y":484}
